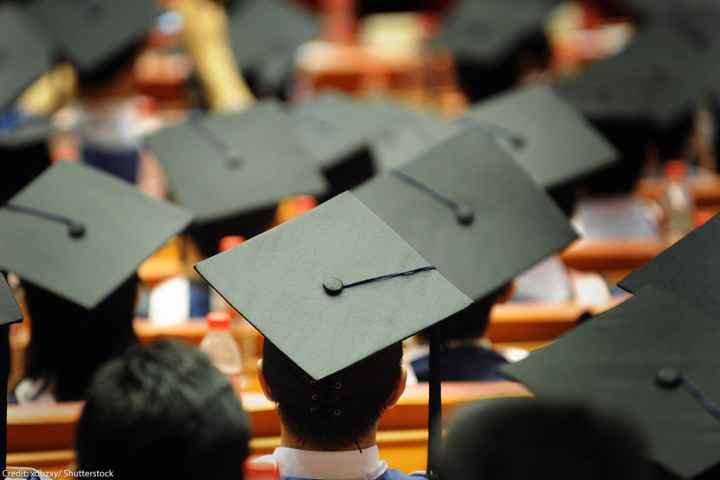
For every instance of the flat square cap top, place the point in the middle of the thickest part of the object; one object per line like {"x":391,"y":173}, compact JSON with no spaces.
{"x":288,"y":283}
{"x":24,"y":54}
{"x":92,"y":32}
{"x":486,"y":31}
{"x":410,"y":134}
{"x":263,"y":29}
{"x":552,"y":141}
{"x":225,"y":165}
{"x":467,"y":207}
{"x":690,"y":268}
{"x":9,"y":310}
{"x":333,"y":126}
{"x":80,"y":233}
{"x":660,"y":76}
{"x":641,"y":359}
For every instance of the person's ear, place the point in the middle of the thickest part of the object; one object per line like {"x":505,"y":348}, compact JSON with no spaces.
{"x":263,"y":383}
{"x":399,"y":388}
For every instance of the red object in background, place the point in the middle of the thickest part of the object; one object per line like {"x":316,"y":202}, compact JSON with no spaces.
{"x":231,"y":241}
{"x":260,"y":471}
{"x":218,"y":320}
{"x":702,"y":217}
{"x":676,"y":170}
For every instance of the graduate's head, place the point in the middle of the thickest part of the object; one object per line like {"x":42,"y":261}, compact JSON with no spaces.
{"x":112,"y":77}
{"x":101,"y":333}
{"x":341,"y":410}
{"x":526,"y":438}
{"x":163,"y":411}
{"x":472,"y":322}
{"x":632,"y":141}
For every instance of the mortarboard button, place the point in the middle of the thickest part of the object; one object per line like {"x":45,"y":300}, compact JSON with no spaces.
{"x":333,"y":286}
{"x":668,"y":378}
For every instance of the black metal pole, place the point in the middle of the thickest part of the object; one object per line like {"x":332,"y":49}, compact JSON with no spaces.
{"x":434,"y":404}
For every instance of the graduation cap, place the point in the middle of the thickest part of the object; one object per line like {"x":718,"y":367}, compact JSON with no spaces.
{"x":527,"y":122}
{"x":264,"y":35}
{"x":485,"y":36}
{"x":688,"y":268}
{"x":657,"y":79}
{"x":9,"y":310}
{"x":333,"y":287}
{"x":468,"y":208}
{"x":24,"y":151}
{"x":80,"y":233}
{"x":652,"y":359}
{"x":231,"y":170}
{"x":24,"y":54}
{"x":337,"y":130}
{"x":91,"y":33}
{"x":410,"y":134}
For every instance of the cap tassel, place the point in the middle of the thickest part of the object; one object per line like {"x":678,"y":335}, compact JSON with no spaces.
{"x":76,"y":230}
{"x":335,"y":286}
{"x":234,"y":160}
{"x":671,"y":378}
{"x":464,"y":214}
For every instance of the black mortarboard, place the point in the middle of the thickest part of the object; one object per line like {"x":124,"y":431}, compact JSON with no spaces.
{"x":92,"y":33}
{"x":488,"y":30}
{"x":333,"y":286}
{"x":688,"y":268}
{"x":24,"y":54}
{"x":264,"y":35}
{"x":79,"y":233}
{"x":653,"y":359}
{"x":236,"y":166}
{"x":658,"y":78}
{"x":9,"y":310}
{"x":24,"y":152}
{"x":491,"y":39}
{"x":337,"y":130}
{"x":466,"y":206}
{"x":410,"y":134}
{"x":552,"y":141}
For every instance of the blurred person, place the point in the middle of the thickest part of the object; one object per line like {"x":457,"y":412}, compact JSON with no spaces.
{"x":521,"y":439}
{"x":467,"y":354}
{"x":336,"y":437}
{"x":163,"y":411}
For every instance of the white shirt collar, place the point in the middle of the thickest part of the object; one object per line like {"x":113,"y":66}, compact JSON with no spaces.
{"x":345,"y":465}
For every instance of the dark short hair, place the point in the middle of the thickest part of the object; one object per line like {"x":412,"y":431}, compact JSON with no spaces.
{"x":520,"y":439}
{"x":106,"y":72}
{"x":163,"y":411}
{"x":338,"y":410}
{"x":471,"y":322}
{"x":69,"y":343}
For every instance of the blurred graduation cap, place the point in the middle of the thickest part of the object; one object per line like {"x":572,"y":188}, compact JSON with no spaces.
{"x":93,"y":33}
{"x":656,"y":80}
{"x":336,"y":130}
{"x":79,"y":233}
{"x":487,"y":36}
{"x":526,"y":122}
{"x":333,"y":287}
{"x":688,"y":268}
{"x":24,"y":150}
{"x":471,"y":210}
{"x":231,"y":170}
{"x":24,"y":54}
{"x":264,"y":35}
{"x":410,"y":134}
{"x":9,"y":310}
{"x":653,"y":359}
